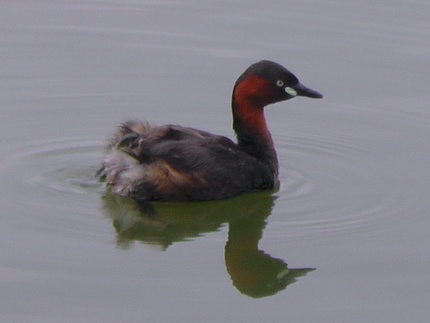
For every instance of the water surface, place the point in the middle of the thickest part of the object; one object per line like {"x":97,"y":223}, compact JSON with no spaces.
{"x":345,"y":239}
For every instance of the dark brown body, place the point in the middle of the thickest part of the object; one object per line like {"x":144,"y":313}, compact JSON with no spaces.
{"x":173,"y":163}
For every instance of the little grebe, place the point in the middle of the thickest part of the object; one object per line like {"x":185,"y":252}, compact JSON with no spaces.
{"x":174,"y":163}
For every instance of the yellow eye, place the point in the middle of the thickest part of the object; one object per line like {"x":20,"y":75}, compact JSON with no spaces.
{"x":280,"y":83}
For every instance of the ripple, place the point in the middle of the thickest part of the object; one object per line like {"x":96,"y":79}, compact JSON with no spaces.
{"x":332,"y":186}
{"x":328,"y":186}
{"x":76,"y":181}
{"x":50,"y":188}
{"x":65,"y":165}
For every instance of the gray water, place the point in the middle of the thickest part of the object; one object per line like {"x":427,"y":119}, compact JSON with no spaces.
{"x":346,"y":237}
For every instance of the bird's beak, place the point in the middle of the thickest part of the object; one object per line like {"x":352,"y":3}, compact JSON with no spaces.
{"x":307,"y":92}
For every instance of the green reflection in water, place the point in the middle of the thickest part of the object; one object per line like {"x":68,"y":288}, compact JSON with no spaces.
{"x":253,"y":272}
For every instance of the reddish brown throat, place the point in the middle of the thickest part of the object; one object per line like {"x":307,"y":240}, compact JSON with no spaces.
{"x":250,"y":96}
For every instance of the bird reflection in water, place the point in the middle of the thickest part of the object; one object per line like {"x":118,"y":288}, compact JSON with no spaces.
{"x":252,"y":271}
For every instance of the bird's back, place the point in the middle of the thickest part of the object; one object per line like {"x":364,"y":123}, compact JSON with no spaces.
{"x":174,"y":163}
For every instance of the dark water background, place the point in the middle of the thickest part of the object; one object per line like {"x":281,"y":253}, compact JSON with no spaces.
{"x":351,"y":218}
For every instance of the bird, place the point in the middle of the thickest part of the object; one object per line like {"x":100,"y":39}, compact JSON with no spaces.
{"x":172,"y":163}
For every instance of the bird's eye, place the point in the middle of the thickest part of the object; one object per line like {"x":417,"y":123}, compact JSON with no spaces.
{"x":280,"y":83}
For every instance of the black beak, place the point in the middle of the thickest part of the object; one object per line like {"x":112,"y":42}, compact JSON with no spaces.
{"x":307,"y":92}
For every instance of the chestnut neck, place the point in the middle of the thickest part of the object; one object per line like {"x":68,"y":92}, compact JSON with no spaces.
{"x":253,"y":136}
